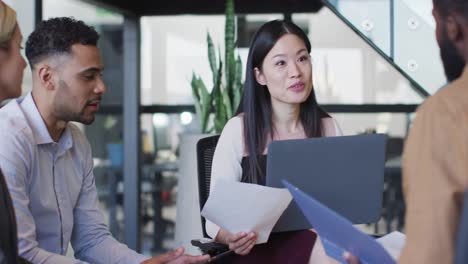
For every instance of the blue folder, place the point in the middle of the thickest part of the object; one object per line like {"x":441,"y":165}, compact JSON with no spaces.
{"x":337,"y":233}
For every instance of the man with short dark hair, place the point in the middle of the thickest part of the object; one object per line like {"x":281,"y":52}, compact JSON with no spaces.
{"x":47,"y":160}
{"x":435,"y":159}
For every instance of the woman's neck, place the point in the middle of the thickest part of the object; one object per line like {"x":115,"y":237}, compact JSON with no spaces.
{"x":286,"y":119}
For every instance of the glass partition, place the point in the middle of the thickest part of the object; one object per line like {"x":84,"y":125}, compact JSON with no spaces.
{"x":403,"y":31}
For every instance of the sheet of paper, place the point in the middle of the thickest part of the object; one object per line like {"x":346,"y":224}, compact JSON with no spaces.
{"x":393,"y":243}
{"x":337,"y":233}
{"x":244,"y":207}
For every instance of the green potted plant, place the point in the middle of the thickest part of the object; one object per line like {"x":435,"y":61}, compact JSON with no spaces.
{"x":223,"y":100}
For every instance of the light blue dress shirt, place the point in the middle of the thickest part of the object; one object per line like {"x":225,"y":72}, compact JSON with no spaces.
{"x":53,"y":191}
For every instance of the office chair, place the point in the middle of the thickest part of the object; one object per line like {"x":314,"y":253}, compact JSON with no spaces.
{"x":461,"y":251}
{"x":205,"y":152}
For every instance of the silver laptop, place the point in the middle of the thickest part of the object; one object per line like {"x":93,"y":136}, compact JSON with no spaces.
{"x":344,"y":173}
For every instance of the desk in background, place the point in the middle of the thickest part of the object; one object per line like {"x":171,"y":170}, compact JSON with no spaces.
{"x":153,"y":184}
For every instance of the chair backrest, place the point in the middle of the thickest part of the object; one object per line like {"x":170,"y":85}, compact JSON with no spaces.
{"x":461,"y":252}
{"x":394,"y":147}
{"x":205,"y":152}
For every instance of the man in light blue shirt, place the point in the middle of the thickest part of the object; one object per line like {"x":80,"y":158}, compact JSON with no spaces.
{"x":47,"y":161}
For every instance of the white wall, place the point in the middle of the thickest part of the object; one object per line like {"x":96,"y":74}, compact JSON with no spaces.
{"x":173,"y":47}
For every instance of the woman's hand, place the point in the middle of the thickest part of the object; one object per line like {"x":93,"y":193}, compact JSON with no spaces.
{"x":241,"y":243}
{"x":350,"y":259}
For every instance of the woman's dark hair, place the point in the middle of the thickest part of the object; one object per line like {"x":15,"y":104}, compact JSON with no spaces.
{"x":255,"y":104}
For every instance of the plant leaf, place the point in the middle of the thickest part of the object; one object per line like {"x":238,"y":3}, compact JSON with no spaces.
{"x":229,"y":41}
{"x":212,"y":56}
{"x":237,"y":86}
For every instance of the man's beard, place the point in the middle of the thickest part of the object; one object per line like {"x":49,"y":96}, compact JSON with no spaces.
{"x":453,"y":62}
{"x":63,"y":110}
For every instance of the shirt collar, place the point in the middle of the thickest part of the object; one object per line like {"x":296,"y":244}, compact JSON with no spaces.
{"x":66,"y":140}
{"x":38,"y":126}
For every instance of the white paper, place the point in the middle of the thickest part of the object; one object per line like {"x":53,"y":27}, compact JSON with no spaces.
{"x":393,"y":243}
{"x":243,"y":207}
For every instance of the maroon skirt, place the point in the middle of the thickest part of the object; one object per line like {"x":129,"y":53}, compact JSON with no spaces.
{"x":285,"y":247}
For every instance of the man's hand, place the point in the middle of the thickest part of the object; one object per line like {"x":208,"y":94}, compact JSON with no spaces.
{"x":350,"y":258}
{"x":177,"y":257}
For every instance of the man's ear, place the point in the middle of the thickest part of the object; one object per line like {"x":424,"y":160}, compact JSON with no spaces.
{"x":259,"y":76}
{"x":454,"y":30}
{"x":45,"y":74}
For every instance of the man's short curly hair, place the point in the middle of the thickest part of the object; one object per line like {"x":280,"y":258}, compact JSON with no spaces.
{"x":444,"y":7}
{"x":57,"y":36}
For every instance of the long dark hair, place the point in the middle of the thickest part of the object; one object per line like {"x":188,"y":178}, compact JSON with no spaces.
{"x":256,"y":101}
